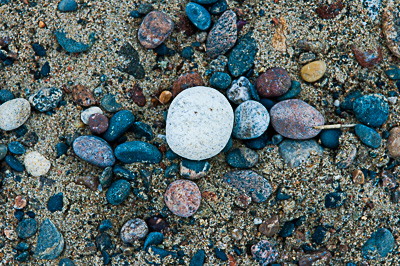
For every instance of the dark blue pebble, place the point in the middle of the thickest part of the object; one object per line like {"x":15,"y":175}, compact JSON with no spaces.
{"x":16,"y":148}
{"x":219,"y":7}
{"x":368,"y":136}
{"x":381,"y":242}
{"x":19,"y":215}
{"x":137,"y":151}
{"x":257,"y":143}
{"x":276,"y":139}
{"x":330,"y":138}
{"x":198,"y":15}
{"x":293,"y":92}
{"x":55,"y":203}
{"x":242,"y":158}
{"x":45,"y":71}
{"x":70,"y":45}
{"x":135,"y":14}
{"x":281,"y":195}
{"x":118,"y":192}
{"x":26,"y":228}
{"x":220,"y":80}
{"x":205,"y":2}
{"x":335,"y":199}
{"x":371,"y":110}
{"x":198,"y":258}
{"x":153,"y":238}
{"x":220,"y":254}
{"x":171,"y":155}
{"x":24,"y":256}
{"x":124,"y":173}
{"x":22,"y":246}
{"x":66,"y":262}
{"x":385,"y":134}
{"x":162,"y":253}
{"x":142,"y":130}
{"x":319,"y":235}
{"x":105,"y":225}
{"x":287,"y":229}
{"x":21,"y":131}
{"x":393,"y":72}
{"x":161,"y":50}
{"x":106,"y":257}
{"x":39,"y":50}
{"x":241,"y":58}
{"x":14,"y":163}
{"x":228,"y":146}
{"x":103,"y":242}
{"x":196,"y":167}
{"x":5,"y":96}
{"x":67,"y":6}
{"x":110,"y":104}
{"x":171,"y":170}
{"x":187,"y":52}
{"x":61,"y":149}
{"x":268,"y":103}
{"x":30,"y":214}
{"x":118,"y":125}
{"x":145,"y":8}
{"x":347,"y":104}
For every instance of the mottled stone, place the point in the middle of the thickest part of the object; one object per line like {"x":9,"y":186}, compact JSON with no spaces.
{"x":67,"y":6}
{"x":194,"y":169}
{"x":313,"y":71}
{"x":198,"y":15}
{"x":241,"y":90}
{"x":368,"y":136}
{"x":94,"y":150}
{"x":155,"y":28}
{"x":335,"y":199}
{"x":137,"y":95}
{"x":270,"y":227}
{"x":119,"y":123}
{"x":106,"y":177}
{"x":251,"y":120}
{"x":242,"y":158}
{"x":381,"y":242}
{"x":274,"y":82}
{"x":371,"y":110}
{"x":90,"y":182}
{"x":393,"y":72}
{"x":220,"y":80}
{"x":46,"y":99}
{"x":241,"y":58}
{"x":50,"y":242}
{"x":137,"y":151}
{"x":72,"y":46}
{"x":133,"y":230}
{"x":198,"y":258}
{"x":296,"y":152}
{"x":219,"y":7}
{"x":393,"y":143}
{"x":14,"y":113}
{"x":16,"y":147}
{"x":264,"y":253}
{"x":88,"y":112}
{"x":83,"y":96}
{"x":26,"y":228}
{"x":98,"y":123}
{"x":36,"y":164}
{"x":118,"y":192}
{"x":183,"y":198}
{"x":187,"y":80}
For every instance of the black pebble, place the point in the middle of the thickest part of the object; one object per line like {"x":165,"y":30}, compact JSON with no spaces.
{"x":19,"y":215}
{"x":319,"y":235}
{"x":39,"y":50}
{"x":55,"y":203}
{"x":61,"y":149}
{"x":45,"y":71}
{"x":287,"y":229}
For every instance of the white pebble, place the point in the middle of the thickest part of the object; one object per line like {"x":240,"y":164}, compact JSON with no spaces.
{"x":14,"y":113}
{"x":257,"y":221}
{"x":88,"y":112}
{"x":36,"y":164}
{"x":336,"y":103}
{"x":392,"y":100}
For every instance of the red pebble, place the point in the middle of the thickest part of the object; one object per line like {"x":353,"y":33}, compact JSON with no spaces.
{"x":183,"y":198}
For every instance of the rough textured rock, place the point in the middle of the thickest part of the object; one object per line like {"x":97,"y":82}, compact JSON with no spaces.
{"x":296,"y":152}
{"x":36,"y":164}
{"x":50,"y":242}
{"x":264,"y":253}
{"x":83,"y":96}
{"x":155,"y":28}
{"x":94,"y":150}
{"x":46,"y":99}
{"x":241,"y":58}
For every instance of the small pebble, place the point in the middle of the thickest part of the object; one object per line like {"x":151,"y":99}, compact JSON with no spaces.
{"x":55,"y":202}
{"x":242,"y":56}
{"x":88,"y":112}
{"x":89,"y":181}
{"x":381,"y":242}
{"x":3,"y":151}
{"x":165,"y":96}
{"x":198,"y":15}
{"x":183,"y":198}
{"x":319,"y":235}
{"x":50,"y":242}
{"x":251,"y":120}
{"x":22,"y":246}
{"x":70,"y":45}
{"x":14,"y":163}
{"x":330,"y":138}
{"x":393,"y":143}
{"x":16,"y":148}
{"x":172,"y":170}
{"x":274,"y":82}
{"x":20,"y":202}
{"x":26,"y":228}
{"x":142,"y":130}
{"x":313,"y":71}
{"x":14,"y":114}
{"x":137,"y":151}
{"x":105,"y":225}
{"x":98,"y":123}
{"x":217,"y":65}
{"x":103,"y":242}
{"x":240,"y":91}
{"x":118,"y":192}
{"x":368,"y":136}
{"x":83,"y":96}
{"x":276,"y":139}
{"x":94,"y":150}
{"x":257,"y":143}
{"x":145,"y":8}
{"x":61,"y":149}
{"x":270,"y":227}
{"x":157,"y":223}
{"x":24,"y":256}
{"x":123,"y":173}
{"x":220,"y":254}
{"x":335,"y":199}
{"x":287,"y":229}
{"x":153,"y":238}
{"x":242,"y":158}
{"x":264,"y":253}
{"x":67,"y":6}
{"x":187,"y":80}
{"x":106,"y":177}
{"x":393,"y":72}
{"x":371,"y":110}
{"x":198,"y":258}
{"x":118,"y":125}
{"x":220,"y":80}
{"x":66,"y":262}
{"x":243,"y":201}
{"x":45,"y":70}
{"x":46,"y":99}
{"x":306,"y":57}
{"x":39,"y":49}
{"x":110,"y":104}
{"x":194,"y":170}
{"x":36,"y":164}
{"x":155,"y":28}
{"x":134,"y":229}
{"x":219,"y":7}
{"x":297,"y":152}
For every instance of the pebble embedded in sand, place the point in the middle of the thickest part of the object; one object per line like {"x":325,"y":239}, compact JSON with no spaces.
{"x":36,"y":164}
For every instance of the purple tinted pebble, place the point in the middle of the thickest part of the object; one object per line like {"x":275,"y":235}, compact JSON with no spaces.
{"x":133,"y":230}
{"x":155,"y":28}
{"x":264,"y":253}
{"x":94,"y":150}
{"x":98,"y":123}
{"x":183,"y":198}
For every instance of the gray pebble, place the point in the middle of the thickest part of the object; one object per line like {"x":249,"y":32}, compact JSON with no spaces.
{"x":242,"y":157}
{"x":3,"y":151}
{"x":109,"y":103}
{"x":296,"y":152}
{"x":26,"y":228}
{"x":251,"y":120}
{"x":50,"y":242}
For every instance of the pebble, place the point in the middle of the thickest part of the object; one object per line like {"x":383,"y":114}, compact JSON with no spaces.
{"x":155,"y":28}
{"x":145,"y":8}
{"x":296,"y":152}
{"x":241,"y":58}
{"x":98,"y":123}
{"x":183,"y":198}
{"x":70,"y":45}
{"x":160,"y":253}
{"x":131,"y":65}
{"x":390,"y":27}
{"x":45,"y":70}
{"x":61,"y":149}
{"x":118,"y":125}
{"x":16,"y":148}
{"x":257,"y":143}
{"x":242,"y":158}
{"x":381,"y":242}
{"x":241,"y":90}
{"x":264,"y":253}
{"x":90,"y":182}
{"x":83,"y":96}
{"x":198,"y":258}
{"x":106,"y":177}
{"x":270,"y":227}
{"x":198,"y":15}
{"x":171,"y":170}
{"x":24,"y":256}
{"x":217,"y":65}
{"x":335,"y":199}
{"x":134,"y":229}
{"x":274,"y":82}
{"x":137,"y":151}
{"x":165,"y":96}
{"x":157,"y":223}
{"x":187,"y":80}
{"x":118,"y":192}
{"x":319,"y":235}
{"x":66,"y":262}
{"x":67,"y":6}
{"x":124,"y":173}
{"x":14,"y":113}
{"x":199,"y":115}
{"x":3,"y":151}
{"x":22,"y":246}
{"x":293,"y":92}
{"x":194,"y":170}
{"x":205,"y":2}
{"x":287,"y":229}
{"x":313,"y":71}
{"x":306,"y":57}
{"x":330,"y":138}
{"x":222,"y":35}
{"x":393,"y":143}
{"x":220,"y":80}
{"x":5,"y":96}
{"x":393,"y":72}
{"x":20,"y":202}
{"x":26,"y":228}
{"x":251,"y":120}
{"x":14,"y":163}
{"x":220,"y":254}
{"x":109,"y":103}
{"x":55,"y":203}
{"x":368,"y":136}
{"x":371,"y":110}
{"x":249,"y":182}
{"x":39,"y":49}
{"x":46,"y":99}
{"x":219,"y":7}
{"x":94,"y":150}
{"x":105,"y":225}
{"x":296,"y":119}
{"x":142,"y":130}
{"x":329,"y":9}
{"x":347,"y":104}
{"x":50,"y":242}
{"x":153,"y":238}
{"x":276,"y":139}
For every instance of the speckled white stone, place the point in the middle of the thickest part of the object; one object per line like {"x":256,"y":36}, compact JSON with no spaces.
{"x":36,"y":164}
{"x":14,"y":113}
{"x":251,"y":120}
{"x":88,"y":112}
{"x":199,"y":123}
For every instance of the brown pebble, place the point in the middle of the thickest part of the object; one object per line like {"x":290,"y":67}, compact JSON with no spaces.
{"x":83,"y":96}
{"x":357,"y":176}
{"x":98,"y":123}
{"x":187,"y":80}
{"x":243,"y":201}
{"x":270,"y":227}
{"x":390,"y":27}
{"x":393,"y":143}
{"x":90,"y":182}
{"x":313,"y":46}
{"x":186,"y":26}
{"x":369,"y":58}
{"x":165,"y":96}
{"x":183,"y":198}
{"x":209,"y":195}
{"x":20,"y":202}
{"x":155,"y":28}
{"x":42,"y":24}
{"x":275,"y":82}
{"x":315,"y":256}
{"x":137,"y":95}
{"x":157,"y":223}
{"x":330,"y":10}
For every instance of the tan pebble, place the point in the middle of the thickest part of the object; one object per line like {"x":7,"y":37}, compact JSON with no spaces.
{"x":357,"y":176}
{"x":393,"y":143}
{"x":42,"y":24}
{"x":237,"y":234}
{"x":36,"y":164}
{"x":20,"y":202}
{"x":10,"y":234}
{"x":165,"y":96}
{"x":313,"y":71}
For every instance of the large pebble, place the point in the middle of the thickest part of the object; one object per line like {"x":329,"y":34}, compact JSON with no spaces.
{"x":198,"y":15}
{"x":118,"y":192}
{"x":187,"y":80}
{"x":242,"y":158}
{"x":390,"y":26}
{"x":88,"y":112}
{"x":381,"y":242}
{"x":251,"y":120}
{"x":36,"y":164}
{"x":46,"y":99}
{"x":368,"y":136}
{"x":118,"y":125}
{"x":183,"y":198}
{"x":296,"y":152}
{"x":155,"y":28}
{"x":199,"y":123}
{"x":313,"y":71}
{"x":249,"y":182}
{"x":14,"y":113}
{"x":371,"y":110}
{"x":137,"y":152}
{"x":50,"y":242}
{"x":296,"y":119}
{"x":26,"y":228}
{"x":223,"y":35}
{"x":264,"y":253}
{"x":94,"y":150}
{"x":194,"y":169}
{"x":241,"y":58}
{"x":393,"y":143}
{"x":274,"y":82}
{"x":133,"y":230}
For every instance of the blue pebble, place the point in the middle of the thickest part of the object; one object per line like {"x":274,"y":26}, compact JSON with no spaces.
{"x":61,"y":149}
{"x":319,"y":235}
{"x":257,"y":143}
{"x":293,"y":92}
{"x":198,"y":15}
{"x":31,"y":214}
{"x":106,"y":257}
{"x":187,"y":52}
{"x":371,"y":110}
{"x":330,"y":138}
{"x":242,"y":56}
{"x":55,"y":203}
{"x":161,"y":50}
{"x":118,"y":192}
{"x":393,"y":72}
{"x":220,"y":80}
{"x":5,"y":96}
{"x":171,"y":155}
{"x":162,"y":253}
{"x":26,"y":228}
{"x":268,"y":103}
{"x":137,"y":152}
{"x":124,"y":173}
{"x":39,"y":50}
{"x":368,"y":136}
{"x":70,"y":45}
{"x":14,"y":163}
{"x":198,"y":258}
{"x":19,"y":215}
{"x":381,"y":242}
{"x":45,"y":71}
{"x":220,"y":254}
{"x":142,"y":130}
{"x":205,"y":2}
{"x":22,"y":246}
{"x":171,"y":170}
{"x":66,"y":262}
{"x":219,"y":7}
{"x":105,"y":225}
{"x":118,"y":125}
{"x":287,"y":229}
{"x":67,"y":6}
{"x":335,"y":199}
{"x":16,"y":148}
{"x":347,"y":104}
{"x":24,"y":256}
{"x":135,"y":14}
{"x":153,"y":238}
{"x":276,"y":139}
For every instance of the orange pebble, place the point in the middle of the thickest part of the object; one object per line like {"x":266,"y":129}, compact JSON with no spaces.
{"x":42,"y":24}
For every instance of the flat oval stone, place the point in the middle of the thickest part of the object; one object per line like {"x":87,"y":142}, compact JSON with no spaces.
{"x":26,"y":228}
{"x":183,"y":198}
{"x":371,"y":110}
{"x":274,"y":82}
{"x":155,"y":28}
{"x":137,"y":152}
{"x":313,"y":71}
{"x":198,"y":15}
{"x":88,"y":112}
{"x":368,"y":136}
{"x":94,"y":150}
{"x":50,"y":242}
{"x":393,"y":143}
{"x":16,"y":147}
{"x":14,"y":163}
{"x":296,"y":152}
{"x":14,"y":113}
{"x":242,"y":158}
{"x":199,"y":123}
{"x":67,"y":6}
{"x":118,"y":125}
{"x":118,"y":192}
{"x":241,"y":58}
{"x":36,"y":164}
{"x":296,"y":119}
{"x":251,"y":120}
{"x":223,"y":35}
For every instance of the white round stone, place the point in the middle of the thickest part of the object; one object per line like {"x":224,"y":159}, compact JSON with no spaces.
{"x":251,"y":120}
{"x":36,"y":164}
{"x":199,"y":123}
{"x":14,"y":113}
{"x":88,"y":112}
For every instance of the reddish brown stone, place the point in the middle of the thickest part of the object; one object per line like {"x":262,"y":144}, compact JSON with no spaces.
{"x":368,"y":58}
{"x":155,"y":28}
{"x":90,"y":182}
{"x":187,"y":80}
{"x":186,"y":26}
{"x":137,"y":95}
{"x":20,"y":202}
{"x":98,"y":123}
{"x":243,"y":201}
{"x":83,"y":96}
{"x":329,"y":11}
{"x":157,"y":223}
{"x":315,"y":256}
{"x":183,"y":198}
{"x":273,"y":83}
{"x":270,"y":227}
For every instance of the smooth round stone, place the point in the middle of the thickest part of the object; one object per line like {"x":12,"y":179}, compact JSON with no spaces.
{"x":313,"y":71}
{"x":133,"y":230}
{"x":155,"y":28}
{"x":183,"y":198}
{"x":199,"y":123}
{"x":274,"y":82}
{"x":371,"y":110}
{"x":94,"y":150}
{"x":118,"y":192}
{"x":242,"y":158}
{"x":14,"y":114}
{"x":264,"y":253}
{"x":220,"y":80}
{"x":381,"y":242}
{"x":16,"y":148}
{"x":46,"y":99}
{"x":241,"y":58}
{"x":393,"y":143}
{"x":14,"y":163}
{"x":27,"y":228}
{"x":110,"y":104}
{"x":219,"y":7}
{"x":296,"y":119}
{"x":98,"y":123}
{"x":118,"y":125}
{"x":88,"y":112}
{"x":251,"y":120}
{"x":297,"y":152}
{"x":330,"y":138}
{"x":67,"y":6}
{"x":368,"y":136}
{"x":3,"y":151}
{"x":36,"y":164}
{"x":137,"y":152}
{"x":198,"y":15}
